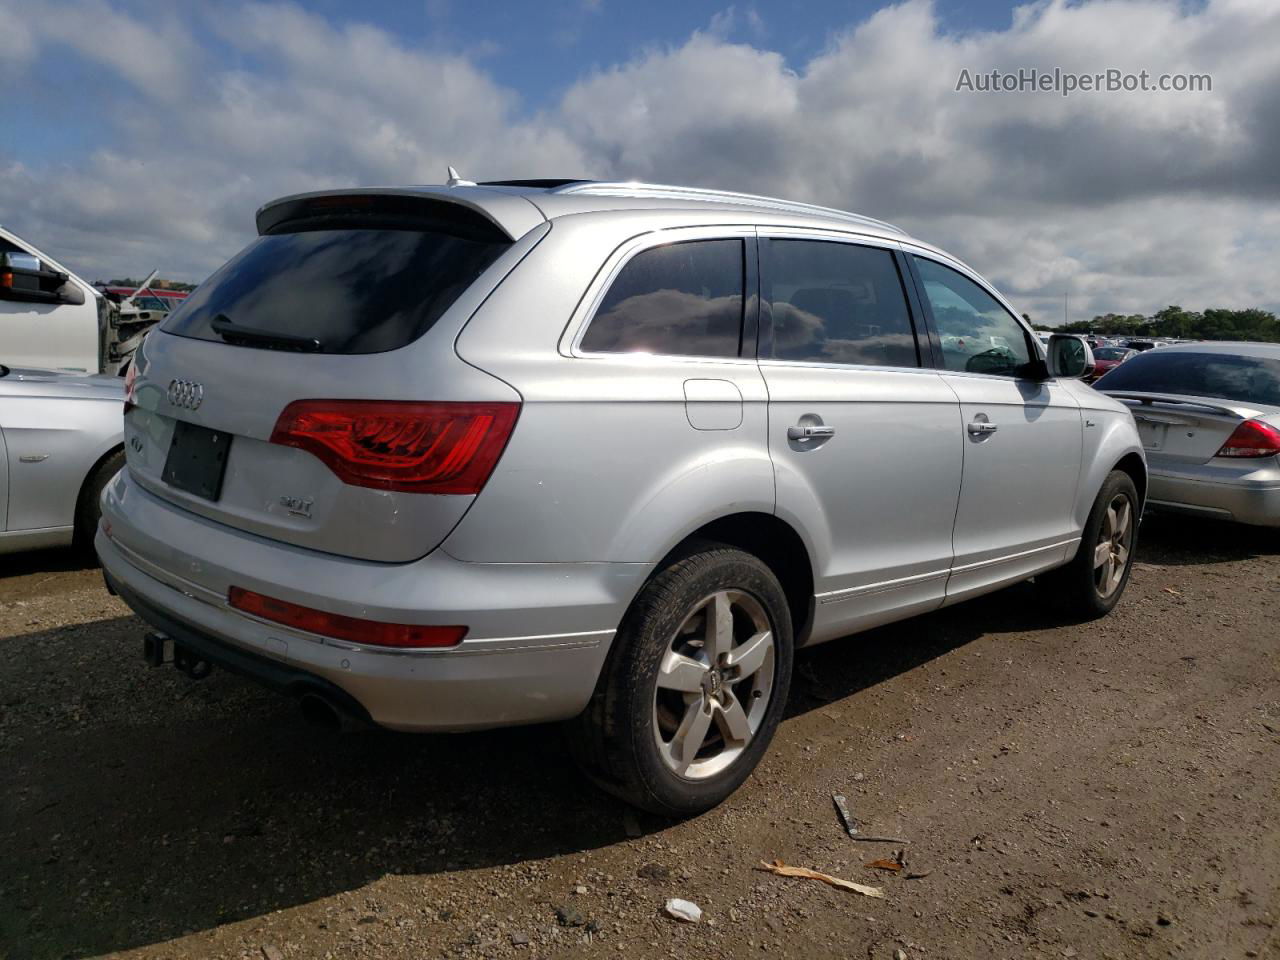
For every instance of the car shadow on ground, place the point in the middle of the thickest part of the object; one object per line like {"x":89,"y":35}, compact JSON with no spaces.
{"x":53,"y":560}
{"x":1167,"y":538}
{"x":844,"y":667}
{"x":143,"y":806}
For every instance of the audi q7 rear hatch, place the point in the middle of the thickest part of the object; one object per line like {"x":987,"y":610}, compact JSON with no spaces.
{"x":303,"y":393}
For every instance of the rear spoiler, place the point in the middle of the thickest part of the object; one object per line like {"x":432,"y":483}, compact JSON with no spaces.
{"x":512,"y":215}
{"x":1206,"y":403}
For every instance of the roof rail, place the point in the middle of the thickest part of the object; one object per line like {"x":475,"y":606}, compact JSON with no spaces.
{"x":660,"y":191}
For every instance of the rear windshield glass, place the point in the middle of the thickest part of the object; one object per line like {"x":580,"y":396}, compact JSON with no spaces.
{"x":1218,"y":375}
{"x":353,"y":290}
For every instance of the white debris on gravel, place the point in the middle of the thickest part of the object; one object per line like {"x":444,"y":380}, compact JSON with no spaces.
{"x":683,"y":910}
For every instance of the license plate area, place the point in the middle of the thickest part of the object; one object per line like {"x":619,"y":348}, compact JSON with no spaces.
{"x":197,"y":460}
{"x":1152,"y":433}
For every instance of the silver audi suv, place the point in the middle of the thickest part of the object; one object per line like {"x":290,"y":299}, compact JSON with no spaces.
{"x":442,"y":458}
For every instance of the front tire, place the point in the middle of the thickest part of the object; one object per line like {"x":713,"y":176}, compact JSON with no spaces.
{"x":1091,"y":585}
{"x":694,"y":686}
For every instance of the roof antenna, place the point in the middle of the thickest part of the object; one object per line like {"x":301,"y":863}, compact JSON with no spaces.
{"x":456,"y":181}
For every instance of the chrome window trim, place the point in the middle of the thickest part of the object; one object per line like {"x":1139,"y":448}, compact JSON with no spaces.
{"x":854,"y":367}
{"x":774,"y":232}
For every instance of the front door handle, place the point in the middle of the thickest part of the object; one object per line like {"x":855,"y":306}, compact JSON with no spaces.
{"x":810,"y":432}
{"x":980,"y":428}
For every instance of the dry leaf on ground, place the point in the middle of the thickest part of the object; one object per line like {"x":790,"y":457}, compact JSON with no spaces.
{"x":782,"y":870}
{"x":883,"y":864}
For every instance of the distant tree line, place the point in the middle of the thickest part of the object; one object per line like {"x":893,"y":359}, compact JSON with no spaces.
{"x":158,"y":284}
{"x":1213,"y":324}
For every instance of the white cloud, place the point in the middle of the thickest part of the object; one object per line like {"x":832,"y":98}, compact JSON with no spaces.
{"x":17,"y":45}
{"x":1127,"y":201}
{"x":156,"y":55}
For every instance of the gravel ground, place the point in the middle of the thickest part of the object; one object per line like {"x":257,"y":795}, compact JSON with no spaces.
{"x":1099,"y":790}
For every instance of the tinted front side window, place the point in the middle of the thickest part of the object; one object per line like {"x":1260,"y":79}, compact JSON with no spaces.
{"x":978,"y":335}
{"x":837,"y":303}
{"x":682,"y":299}
{"x":1218,"y":375}
{"x":354,"y":290}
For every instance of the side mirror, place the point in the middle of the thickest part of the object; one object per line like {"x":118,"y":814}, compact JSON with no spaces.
{"x":23,"y":277}
{"x":1069,"y":357}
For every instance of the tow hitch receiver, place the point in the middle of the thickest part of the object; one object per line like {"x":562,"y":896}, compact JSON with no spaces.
{"x":153,"y":649}
{"x":155,"y":653}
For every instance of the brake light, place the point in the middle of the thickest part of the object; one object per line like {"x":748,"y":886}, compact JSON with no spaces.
{"x":375,"y":633}
{"x":401,"y":445}
{"x":1253,"y":438}
{"x":6,"y":279}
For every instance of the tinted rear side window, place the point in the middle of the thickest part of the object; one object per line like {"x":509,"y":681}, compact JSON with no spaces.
{"x":682,"y":299}
{"x":355,"y":290}
{"x":837,"y":303}
{"x":1218,"y":375}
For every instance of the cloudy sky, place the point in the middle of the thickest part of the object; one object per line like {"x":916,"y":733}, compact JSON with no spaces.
{"x":145,"y":134}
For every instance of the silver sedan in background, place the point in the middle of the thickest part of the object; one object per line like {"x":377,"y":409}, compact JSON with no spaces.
{"x":60,"y":442}
{"x":1209,"y":417}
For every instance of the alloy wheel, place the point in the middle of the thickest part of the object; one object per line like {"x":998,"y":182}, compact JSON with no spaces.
{"x":714,"y":684}
{"x":1115,"y":540}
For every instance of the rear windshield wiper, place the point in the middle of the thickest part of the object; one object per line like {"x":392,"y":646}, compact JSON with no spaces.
{"x":236,"y":333}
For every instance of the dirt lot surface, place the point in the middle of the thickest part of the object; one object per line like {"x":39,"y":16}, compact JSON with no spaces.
{"x":1100,"y":790}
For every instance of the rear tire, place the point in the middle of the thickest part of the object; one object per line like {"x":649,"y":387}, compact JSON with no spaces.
{"x":89,"y":506}
{"x":1091,"y":585}
{"x":694,"y":687}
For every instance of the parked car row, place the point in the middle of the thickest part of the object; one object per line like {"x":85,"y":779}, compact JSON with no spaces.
{"x":420,"y":460}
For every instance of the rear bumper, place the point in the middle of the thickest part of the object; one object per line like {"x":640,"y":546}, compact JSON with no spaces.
{"x":538,"y":633}
{"x":1252,"y":497}
{"x":275,"y":674}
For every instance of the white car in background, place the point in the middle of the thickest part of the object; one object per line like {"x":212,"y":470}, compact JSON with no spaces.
{"x":51,"y":319}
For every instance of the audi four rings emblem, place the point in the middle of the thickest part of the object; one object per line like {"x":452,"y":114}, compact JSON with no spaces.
{"x":186,"y":393}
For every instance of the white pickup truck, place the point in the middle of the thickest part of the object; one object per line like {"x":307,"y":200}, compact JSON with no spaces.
{"x":52,"y":319}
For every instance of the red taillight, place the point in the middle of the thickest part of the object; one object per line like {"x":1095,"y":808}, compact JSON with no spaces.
{"x":372,"y":632}
{"x":1253,"y":438}
{"x":401,"y":445}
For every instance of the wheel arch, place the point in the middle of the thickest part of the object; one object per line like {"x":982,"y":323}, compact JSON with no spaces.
{"x":1136,"y":468}
{"x":775,"y":542}
{"x":92,"y":472}
{"x":1113,"y":445}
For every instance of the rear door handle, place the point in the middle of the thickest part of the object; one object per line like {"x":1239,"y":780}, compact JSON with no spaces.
{"x":980,"y":428}
{"x":809,"y":432}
